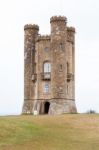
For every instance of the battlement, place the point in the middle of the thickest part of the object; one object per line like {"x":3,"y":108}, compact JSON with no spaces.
{"x":71,"y":29}
{"x":58,"y":18}
{"x":43,"y":37}
{"x":70,"y":34}
{"x":31,"y":26}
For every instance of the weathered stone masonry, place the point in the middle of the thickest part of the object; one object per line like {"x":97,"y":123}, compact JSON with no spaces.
{"x":49,"y":69}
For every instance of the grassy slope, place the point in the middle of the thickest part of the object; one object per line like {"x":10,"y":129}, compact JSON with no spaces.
{"x":63,"y":132}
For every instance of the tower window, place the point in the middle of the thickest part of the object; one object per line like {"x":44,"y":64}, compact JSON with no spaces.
{"x":67,"y":89}
{"x":61,"y":46}
{"x":67,"y":67}
{"x":60,"y":67}
{"x":46,"y":49}
{"x":47,"y":67}
{"x":46,"y":88}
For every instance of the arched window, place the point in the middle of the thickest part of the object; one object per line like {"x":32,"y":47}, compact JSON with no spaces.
{"x":47,"y":67}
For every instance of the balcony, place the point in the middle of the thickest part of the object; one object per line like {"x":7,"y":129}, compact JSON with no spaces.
{"x":70,"y":77}
{"x":46,"y":76}
{"x":34,"y":77}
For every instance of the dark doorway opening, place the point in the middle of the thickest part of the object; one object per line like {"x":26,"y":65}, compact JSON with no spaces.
{"x":46,"y":107}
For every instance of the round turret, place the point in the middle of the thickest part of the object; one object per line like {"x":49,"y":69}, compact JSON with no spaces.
{"x":71,"y":34}
{"x":58,"y":23}
{"x":30,"y":34}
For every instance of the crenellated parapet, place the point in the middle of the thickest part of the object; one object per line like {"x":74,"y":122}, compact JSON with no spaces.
{"x":71,"y":29}
{"x":58,"y":18}
{"x":31,"y":26}
{"x":70,"y":34}
{"x":43,"y":37}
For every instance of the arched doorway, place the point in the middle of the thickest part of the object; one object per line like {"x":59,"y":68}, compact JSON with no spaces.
{"x":46,"y":107}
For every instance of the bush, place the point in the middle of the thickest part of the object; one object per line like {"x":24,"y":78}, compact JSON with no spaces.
{"x":91,"y":111}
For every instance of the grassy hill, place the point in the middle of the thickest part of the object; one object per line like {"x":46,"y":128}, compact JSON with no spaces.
{"x":62,"y":132}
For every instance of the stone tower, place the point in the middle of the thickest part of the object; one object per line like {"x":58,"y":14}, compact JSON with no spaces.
{"x":49,"y":69}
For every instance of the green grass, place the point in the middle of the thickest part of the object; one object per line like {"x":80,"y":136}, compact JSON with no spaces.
{"x":62,"y":132}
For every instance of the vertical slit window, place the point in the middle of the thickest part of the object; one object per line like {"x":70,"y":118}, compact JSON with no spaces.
{"x":67,"y":67}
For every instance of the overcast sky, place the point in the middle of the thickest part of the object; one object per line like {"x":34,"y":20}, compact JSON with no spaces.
{"x":82,"y":14}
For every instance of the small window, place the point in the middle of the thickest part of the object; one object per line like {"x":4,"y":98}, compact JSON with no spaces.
{"x":67,"y":67}
{"x":46,"y":88}
{"x":46,"y":49}
{"x":67,"y":89}
{"x":60,"y":67}
{"x":35,"y":67}
{"x":61,"y":45}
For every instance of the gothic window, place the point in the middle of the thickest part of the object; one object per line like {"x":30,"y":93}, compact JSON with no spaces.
{"x":47,"y":67}
{"x":46,"y":88}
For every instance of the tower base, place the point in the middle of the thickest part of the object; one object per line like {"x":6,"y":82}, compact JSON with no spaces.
{"x":51,"y":107}
{"x":62,"y":106}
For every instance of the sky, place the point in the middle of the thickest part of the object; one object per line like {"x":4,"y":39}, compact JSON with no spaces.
{"x":82,"y":14}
